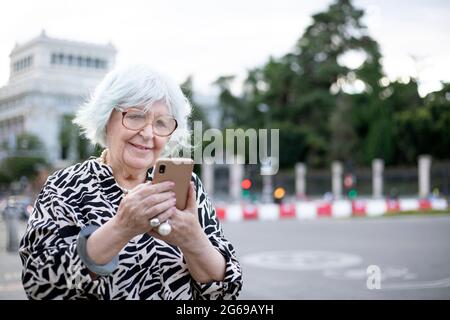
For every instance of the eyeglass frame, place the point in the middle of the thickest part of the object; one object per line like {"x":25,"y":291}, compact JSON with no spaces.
{"x":125,"y":111}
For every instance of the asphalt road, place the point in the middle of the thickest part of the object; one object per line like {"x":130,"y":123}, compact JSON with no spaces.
{"x":407,"y":258}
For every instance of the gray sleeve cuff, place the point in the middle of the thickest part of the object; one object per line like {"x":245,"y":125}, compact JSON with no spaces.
{"x":102,"y":270}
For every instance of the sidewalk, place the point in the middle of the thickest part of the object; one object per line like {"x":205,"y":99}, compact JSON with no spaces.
{"x":10,"y":269}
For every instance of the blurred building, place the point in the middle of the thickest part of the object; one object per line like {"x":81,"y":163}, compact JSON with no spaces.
{"x":49,"y":78}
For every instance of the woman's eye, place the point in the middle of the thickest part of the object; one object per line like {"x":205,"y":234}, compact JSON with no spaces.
{"x":161,"y":123}
{"x":135,"y":116}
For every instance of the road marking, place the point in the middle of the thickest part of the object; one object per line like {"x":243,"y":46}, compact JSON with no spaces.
{"x":387,"y":273}
{"x":8,"y":276}
{"x":361,"y":274}
{"x":301,"y":260}
{"x":13,"y":286}
{"x":442,"y":283}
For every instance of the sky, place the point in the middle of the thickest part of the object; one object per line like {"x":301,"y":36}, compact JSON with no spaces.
{"x":207,"y":39}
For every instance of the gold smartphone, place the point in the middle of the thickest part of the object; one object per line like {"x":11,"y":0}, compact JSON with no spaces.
{"x":178,"y":170}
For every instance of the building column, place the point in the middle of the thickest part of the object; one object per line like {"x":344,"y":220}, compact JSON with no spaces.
{"x":377,"y":178}
{"x":73,"y":146}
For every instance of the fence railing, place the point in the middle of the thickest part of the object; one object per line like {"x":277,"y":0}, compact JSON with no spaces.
{"x":397,"y":181}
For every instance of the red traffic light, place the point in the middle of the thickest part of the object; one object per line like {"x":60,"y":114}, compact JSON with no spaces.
{"x":246,"y":184}
{"x":349,"y":181}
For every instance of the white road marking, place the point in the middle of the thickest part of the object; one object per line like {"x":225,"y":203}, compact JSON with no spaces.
{"x":13,"y":286}
{"x":361,"y":274}
{"x":301,"y":260}
{"x":442,"y":283}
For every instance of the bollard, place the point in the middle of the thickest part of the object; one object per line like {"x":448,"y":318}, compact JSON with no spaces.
{"x":208,"y":176}
{"x":11,"y":216}
{"x":377,"y":178}
{"x":300,"y":180}
{"x":236,"y":176}
{"x":424,"y":175}
{"x":336,"y":180}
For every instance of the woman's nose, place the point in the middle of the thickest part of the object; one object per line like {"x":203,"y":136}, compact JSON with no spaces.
{"x":147,"y":131}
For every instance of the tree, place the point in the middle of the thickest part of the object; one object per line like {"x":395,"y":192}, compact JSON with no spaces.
{"x":24,"y":160}
{"x":72,"y":141}
{"x":425,"y":129}
{"x":328,"y":107}
{"x":198,"y":113}
{"x":306,"y":88}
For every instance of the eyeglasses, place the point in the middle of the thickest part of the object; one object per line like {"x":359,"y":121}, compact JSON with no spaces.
{"x":136,"y":119}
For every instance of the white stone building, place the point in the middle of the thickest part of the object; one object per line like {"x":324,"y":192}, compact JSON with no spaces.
{"x":49,"y":78}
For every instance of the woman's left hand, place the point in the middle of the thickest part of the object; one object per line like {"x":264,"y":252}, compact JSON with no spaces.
{"x":186,"y":233}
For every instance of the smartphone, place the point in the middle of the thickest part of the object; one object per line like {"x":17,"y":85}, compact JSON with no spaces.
{"x":178,"y":170}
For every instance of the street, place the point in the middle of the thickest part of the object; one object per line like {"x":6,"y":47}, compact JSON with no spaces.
{"x":323,"y":258}
{"x":328,"y":258}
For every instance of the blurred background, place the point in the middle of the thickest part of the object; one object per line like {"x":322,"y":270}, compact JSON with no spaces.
{"x":360,"y":93}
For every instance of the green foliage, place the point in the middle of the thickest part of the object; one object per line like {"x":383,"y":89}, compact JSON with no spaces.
{"x":198,"y":113}
{"x":425,"y":129}
{"x":72,"y":140}
{"x":23,"y":161}
{"x":15,"y":167}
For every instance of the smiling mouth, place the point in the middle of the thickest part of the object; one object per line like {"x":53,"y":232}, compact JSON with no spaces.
{"x":139,"y":146}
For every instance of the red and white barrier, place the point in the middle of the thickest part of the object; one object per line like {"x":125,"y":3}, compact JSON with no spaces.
{"x":326,"y":209}
{"x":305,"y":210}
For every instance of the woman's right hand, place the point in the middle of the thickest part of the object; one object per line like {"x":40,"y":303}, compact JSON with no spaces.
{"x":143,"y":203}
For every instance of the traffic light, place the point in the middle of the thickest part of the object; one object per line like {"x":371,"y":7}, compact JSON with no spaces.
{"x":349,"y":181}
{"x":278,"y":194}
{"x":352,"y":194}
{"x":246,"y":184}
{"x":350,"y":185}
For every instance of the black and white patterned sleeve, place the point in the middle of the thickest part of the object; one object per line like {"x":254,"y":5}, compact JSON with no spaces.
{"x":229,"y":288}
{"x":52,"y":268}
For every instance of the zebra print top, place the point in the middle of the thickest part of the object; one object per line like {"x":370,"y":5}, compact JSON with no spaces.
{"x":87,"y":194}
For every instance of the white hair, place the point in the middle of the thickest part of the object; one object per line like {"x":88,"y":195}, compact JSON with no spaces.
{"x":132,"y":86}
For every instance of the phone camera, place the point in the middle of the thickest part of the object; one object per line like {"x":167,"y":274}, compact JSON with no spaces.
{"x":162,"y":168}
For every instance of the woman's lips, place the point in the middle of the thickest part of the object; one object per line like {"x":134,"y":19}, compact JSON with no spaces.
{"x":140,"y":147}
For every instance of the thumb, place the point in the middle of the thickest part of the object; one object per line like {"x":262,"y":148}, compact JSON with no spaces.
{"x":191,"y":200}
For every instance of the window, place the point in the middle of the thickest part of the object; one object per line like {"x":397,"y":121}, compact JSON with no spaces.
{"x":68,"y":59}
{"x":22,"y":64}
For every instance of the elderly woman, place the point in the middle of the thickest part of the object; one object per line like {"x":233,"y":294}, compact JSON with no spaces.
{"x":93,"y":232}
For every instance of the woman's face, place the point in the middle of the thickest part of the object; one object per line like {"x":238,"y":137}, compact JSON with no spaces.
{"x":135,"y":149}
